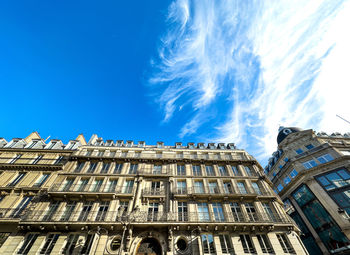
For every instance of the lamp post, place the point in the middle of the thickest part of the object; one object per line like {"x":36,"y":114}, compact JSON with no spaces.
{"x":197,"y":228}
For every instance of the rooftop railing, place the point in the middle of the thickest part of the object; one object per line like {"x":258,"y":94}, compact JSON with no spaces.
{"x":91,"y":188}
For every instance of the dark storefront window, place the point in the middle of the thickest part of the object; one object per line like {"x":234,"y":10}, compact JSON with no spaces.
{"x":306,"y":236}
{"x":337,"y":185}
{"x":321,"y":221}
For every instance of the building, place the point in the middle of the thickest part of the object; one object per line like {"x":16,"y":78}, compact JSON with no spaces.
{"x":310,"y":172}
{"x":124,"y":198}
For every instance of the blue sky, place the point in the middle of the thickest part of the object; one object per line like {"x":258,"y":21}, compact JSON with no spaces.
{"x":191,"y":71}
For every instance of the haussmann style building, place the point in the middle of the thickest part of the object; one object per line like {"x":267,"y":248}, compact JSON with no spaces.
{"x":310,"y":172}
{"x":115,"y":197}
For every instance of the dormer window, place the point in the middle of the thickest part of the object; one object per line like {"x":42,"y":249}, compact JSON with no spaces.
{"x":141,"y":144}
{"x":178,"y":145}
{"x":201,"y":145}
{"x":14,"y":142}
{"x":52,"y":144}
{"x":160,"y":144}
{"x":32,"y":144}
{"x":190,"y":145}
{"x":119,"y":143}
{"x":221,"y":146}
{"x":211,"y":146}
{"x":129,"y":143}
{"x":231,"y":146}
{"x":71,"y":146}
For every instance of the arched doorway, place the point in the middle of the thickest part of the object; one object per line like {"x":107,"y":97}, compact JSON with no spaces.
{"x":149,"y":246}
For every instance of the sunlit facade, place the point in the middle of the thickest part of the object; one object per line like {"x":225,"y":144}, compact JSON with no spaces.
{"x":311,"y":174}
{"x":115,"y":197}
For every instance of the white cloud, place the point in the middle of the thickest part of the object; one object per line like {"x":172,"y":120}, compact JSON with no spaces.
{"x":276,"y":62}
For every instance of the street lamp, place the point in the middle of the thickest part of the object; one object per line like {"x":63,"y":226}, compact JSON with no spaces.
{"x":126,"y":222}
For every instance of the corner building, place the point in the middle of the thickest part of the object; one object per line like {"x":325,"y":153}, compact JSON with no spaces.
{"x":310,"y":172}
{"x":115,"y":197}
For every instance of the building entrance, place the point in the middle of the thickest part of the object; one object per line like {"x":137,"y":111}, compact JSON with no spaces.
{"x":149,"y":246}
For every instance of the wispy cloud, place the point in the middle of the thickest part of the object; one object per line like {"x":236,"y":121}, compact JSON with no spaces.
{"x":258,"y":65}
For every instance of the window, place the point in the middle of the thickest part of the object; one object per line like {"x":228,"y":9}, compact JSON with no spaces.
{"x":287,"y":180}
{"x":309,"y":146}
{"x":102,"y":211}
{"x":71,"y":243}
{"x":41,"y":180}
{"x":294,"y":173}
{"x":153,"y":209}
{"x":265,"y":244}
{"x":299,"y":151}
{"x":3,"y":238}
{"x":68,"y":210}
{"x":111,"y":185}
{"x":241,"y":188}
{"x":92,"y":167}
{"x":213,"y":188}
{"x":256,"y":188}
{"x":51,"y":211}
{"x":79,"y":167}
{"x":226,"y":244}
{"x":325,"y":158}
{"x":310,"y":164}
{"x":52,"y":144}
{"x":325,"y":226}
{"x":182,"y":211}
{"x":50,"y":242}
{"x":118,"y":168}
{"x":181,"y":187}
{"x":203,"y":212}
{"x":198,"y":187}
{"x":228,"y":188}
{"x":208,"y":244}
{"x":137,"y":154}
{"x":123,"y":206}
{"x":128,"y":186}
{"x":32,"y":144}
{"x":112,"y":154}
{"x":222,"y":171}
{"x":181,"y":170}
{"x":59,"y":160}
{"x":67,"y":184}
{"x":96,"y":185}
{"x":37,"y":159}
{"x":157,"y":169}
{"x":209,"y":170}
{"x":218,"y":212}
{"x":196,"y":170}
{"x":85,"y":211}
{"x":336,"y":183}
{"x":284,"y":242}
{"x":236,"y":211}
{"x":82,"y":184}
{"x":235,"y":171}
{"x":279,"y":187}
{"x":100,"y":153}
{"x":269,"y":213}
{"x":88,"y":153}
{"x":248,"y":170}
{"x":27,"y":244}
{"x":155,"y":188}
{"x":105,"y":168}
{"x":251,"y":211}
{"x":17,"y":157}
{"x":116,"y":243}
{"x":247,"y":244}
{"x":18,"y":178}
{"x":133,"y":168}
{"x":21,"y":206}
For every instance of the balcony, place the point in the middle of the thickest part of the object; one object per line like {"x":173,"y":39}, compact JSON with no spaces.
{"x":215,"y":191}
{"x":115,"y":217}
{"x":90,"y":190}
{"x":153,"y":192}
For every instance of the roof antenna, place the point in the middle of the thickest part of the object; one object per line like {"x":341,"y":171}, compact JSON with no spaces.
{"x":343,"y":118}
{"x":47,"y":138}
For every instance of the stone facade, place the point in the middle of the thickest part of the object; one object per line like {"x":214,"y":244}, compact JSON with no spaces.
{"x":115,"y":197}
{"x":310,"y":172}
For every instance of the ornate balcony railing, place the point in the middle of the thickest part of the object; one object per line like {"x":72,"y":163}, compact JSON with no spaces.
{"x":207,"y":190}
{"x":145,"y":216}
{"x":153,"y":192}
{"x":8,"y":213}
{"x":91,"y":188}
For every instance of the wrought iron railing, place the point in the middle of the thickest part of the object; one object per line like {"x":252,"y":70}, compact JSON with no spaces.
{"x":207,"y":190}
{"x":145,"y":216}
{"x":91,"y":188}
{"x":153,"y":192}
